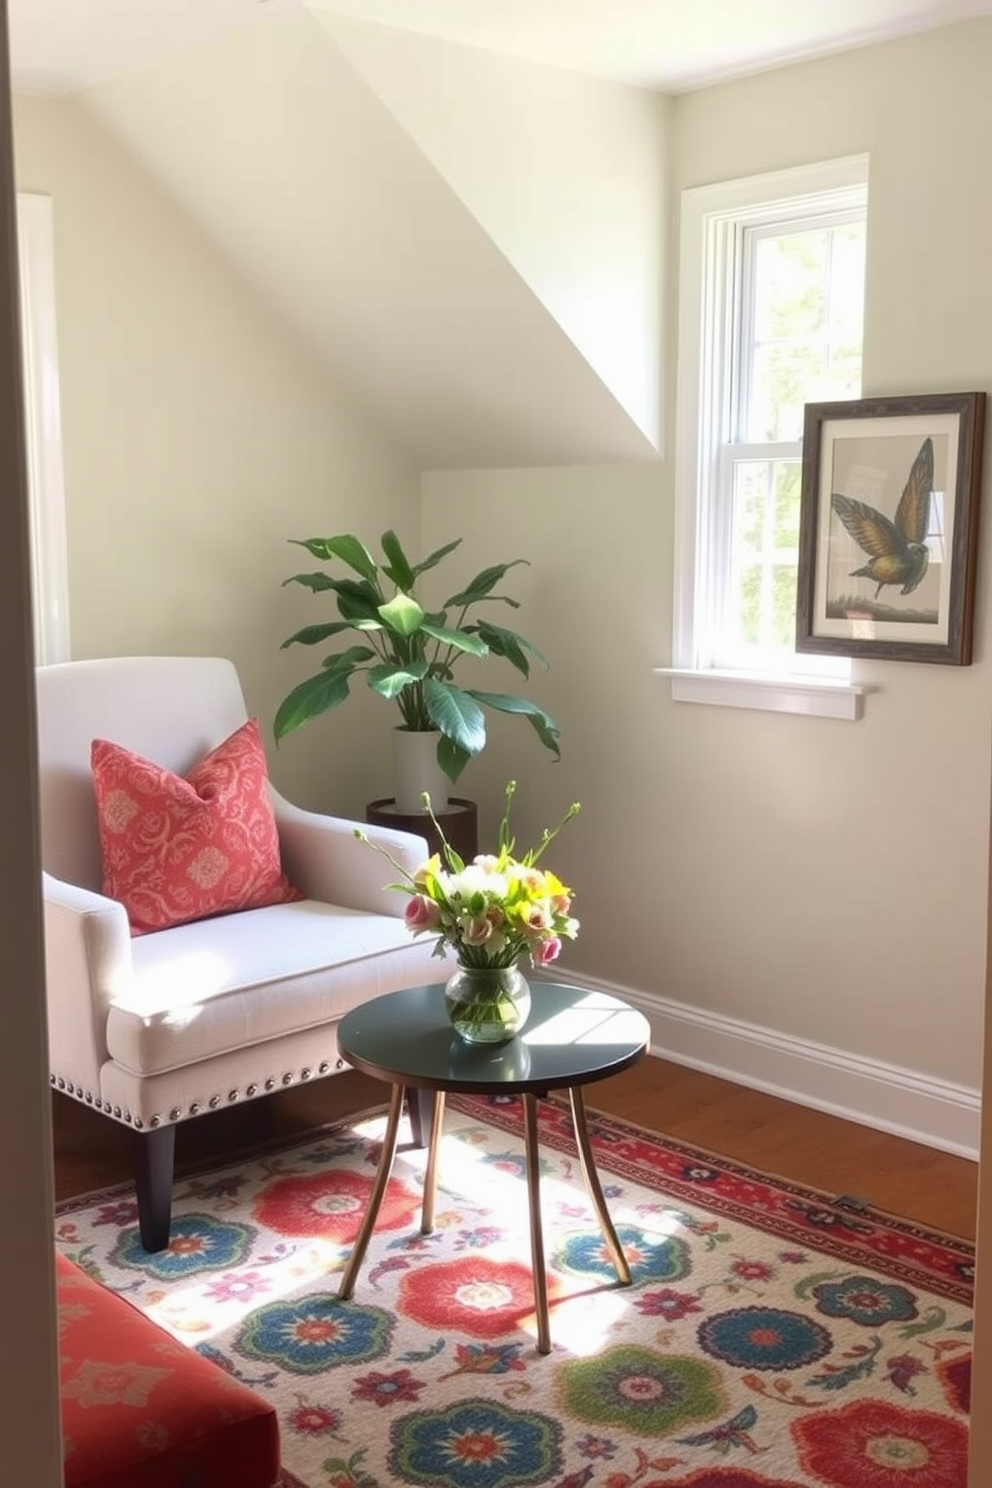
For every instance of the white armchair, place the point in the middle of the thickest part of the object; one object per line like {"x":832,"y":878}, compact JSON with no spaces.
{"x":166,"y":1026}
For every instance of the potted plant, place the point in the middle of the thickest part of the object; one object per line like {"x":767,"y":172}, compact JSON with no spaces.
{"x":407,"y":655}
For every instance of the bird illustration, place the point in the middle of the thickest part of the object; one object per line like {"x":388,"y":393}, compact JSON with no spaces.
{"x":897,"y":549}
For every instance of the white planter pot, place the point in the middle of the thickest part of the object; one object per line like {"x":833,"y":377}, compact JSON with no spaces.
{"x":415,"y":770}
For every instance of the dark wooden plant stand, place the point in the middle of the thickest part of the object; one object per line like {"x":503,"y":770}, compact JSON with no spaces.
{"x":459,"y":822}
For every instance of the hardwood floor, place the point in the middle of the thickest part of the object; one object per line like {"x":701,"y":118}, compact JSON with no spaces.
{"x":775,"y":1135}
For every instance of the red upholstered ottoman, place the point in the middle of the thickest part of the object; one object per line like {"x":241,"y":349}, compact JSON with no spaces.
{"x":141,"y":1411}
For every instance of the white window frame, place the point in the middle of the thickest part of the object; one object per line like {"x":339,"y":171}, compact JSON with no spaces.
{"x":710,"y":220}
{"x":43,"y":428}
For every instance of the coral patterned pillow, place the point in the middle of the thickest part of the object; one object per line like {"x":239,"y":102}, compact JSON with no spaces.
{"x":182,"y":848}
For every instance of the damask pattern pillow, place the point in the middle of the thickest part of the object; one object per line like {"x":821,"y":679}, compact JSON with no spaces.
{"x":179,"y":848}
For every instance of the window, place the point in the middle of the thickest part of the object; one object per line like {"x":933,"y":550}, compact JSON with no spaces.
{"x":43,"y":432}
{"x":770,"y":318}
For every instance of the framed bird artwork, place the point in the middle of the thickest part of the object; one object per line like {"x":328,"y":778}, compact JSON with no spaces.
{"x":888,"y":527}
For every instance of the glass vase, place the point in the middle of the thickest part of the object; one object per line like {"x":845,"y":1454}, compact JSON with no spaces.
{"x":487,"y":1004}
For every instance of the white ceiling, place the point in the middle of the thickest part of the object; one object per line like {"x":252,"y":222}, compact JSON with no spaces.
{"x":669,"y":44}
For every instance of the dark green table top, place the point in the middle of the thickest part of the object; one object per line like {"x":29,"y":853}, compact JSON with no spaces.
{"x":574,"y":1035}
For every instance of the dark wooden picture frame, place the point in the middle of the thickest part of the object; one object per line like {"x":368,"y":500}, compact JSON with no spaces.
{"x":888,"y":527}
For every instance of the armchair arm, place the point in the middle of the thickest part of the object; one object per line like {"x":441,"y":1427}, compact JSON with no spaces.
{"x":324,"y":858}
{"x":87,"y":964}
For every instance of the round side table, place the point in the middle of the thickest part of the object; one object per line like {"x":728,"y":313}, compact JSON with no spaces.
{"x":574,"y":1037}
{"x":459,"y":823}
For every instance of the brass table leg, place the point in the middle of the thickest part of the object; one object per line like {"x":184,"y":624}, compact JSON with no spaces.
{"x":593,"y":1185}
{"x":536,"y":1237}
{"x":430,"y":1175}
{"x":347,"y":1287}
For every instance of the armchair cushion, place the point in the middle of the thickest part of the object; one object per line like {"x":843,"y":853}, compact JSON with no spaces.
{"x":180,"y":848}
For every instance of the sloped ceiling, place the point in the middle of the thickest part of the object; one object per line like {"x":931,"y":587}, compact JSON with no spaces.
{"x":285,"y":156}
{"x":563,"y":171}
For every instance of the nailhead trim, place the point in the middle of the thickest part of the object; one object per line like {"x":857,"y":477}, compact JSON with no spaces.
{"x":175,"y":1114}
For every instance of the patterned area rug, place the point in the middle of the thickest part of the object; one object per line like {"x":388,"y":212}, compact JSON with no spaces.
{"x":772,"y":1338}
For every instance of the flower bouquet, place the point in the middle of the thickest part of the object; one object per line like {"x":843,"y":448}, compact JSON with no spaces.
{"x":490,"y":913}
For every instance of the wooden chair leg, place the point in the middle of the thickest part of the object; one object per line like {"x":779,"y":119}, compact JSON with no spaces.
{"x":420,"y":1108}
{"x":153,"y":1168}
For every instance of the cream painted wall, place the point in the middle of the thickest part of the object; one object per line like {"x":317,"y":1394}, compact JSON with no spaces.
{"x":199,"y":437}
{"x":563,"y":171}
{"x":821,"y":879}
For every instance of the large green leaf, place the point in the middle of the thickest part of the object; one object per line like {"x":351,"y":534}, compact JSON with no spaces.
{"x":451,"y":757}
{"x":312,"y":635}
{"x":389,"y":680}
{"x":456,"y":714}
{"x":347,"y":661}
{"x":311,"y":698}
{"x":483,"y":584}
{"x":547,"y":730}
{"x":462,"y":640}
{"x":402,"y":614}
{"x":312,"y":581}
{"x":356,"y":605}
{"x":508,"y":644}
{"x":354,"y":597}
{"x":433,"y":559}
{"x":498,"y":633}
{"x":399,"y":570}
{"x":346,"y":547}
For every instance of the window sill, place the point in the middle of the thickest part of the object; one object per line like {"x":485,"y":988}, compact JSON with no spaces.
{"x":803,"y":695}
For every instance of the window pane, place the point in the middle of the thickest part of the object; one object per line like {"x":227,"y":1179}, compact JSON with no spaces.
{"x":804,"y":344}
{"x":750,"y":500}
{"x":785,"y":377}
{"x":847,"y":282}
{"x":764,"y":555}
{"x":790,"y":276}
{"x":749,"y":606}
{"x":784,"y":619}
{"x":788,"y":480}
{"x":765,"y":607}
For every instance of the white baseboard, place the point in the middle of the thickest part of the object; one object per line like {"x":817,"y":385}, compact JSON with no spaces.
{"x":884,"y":1096}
